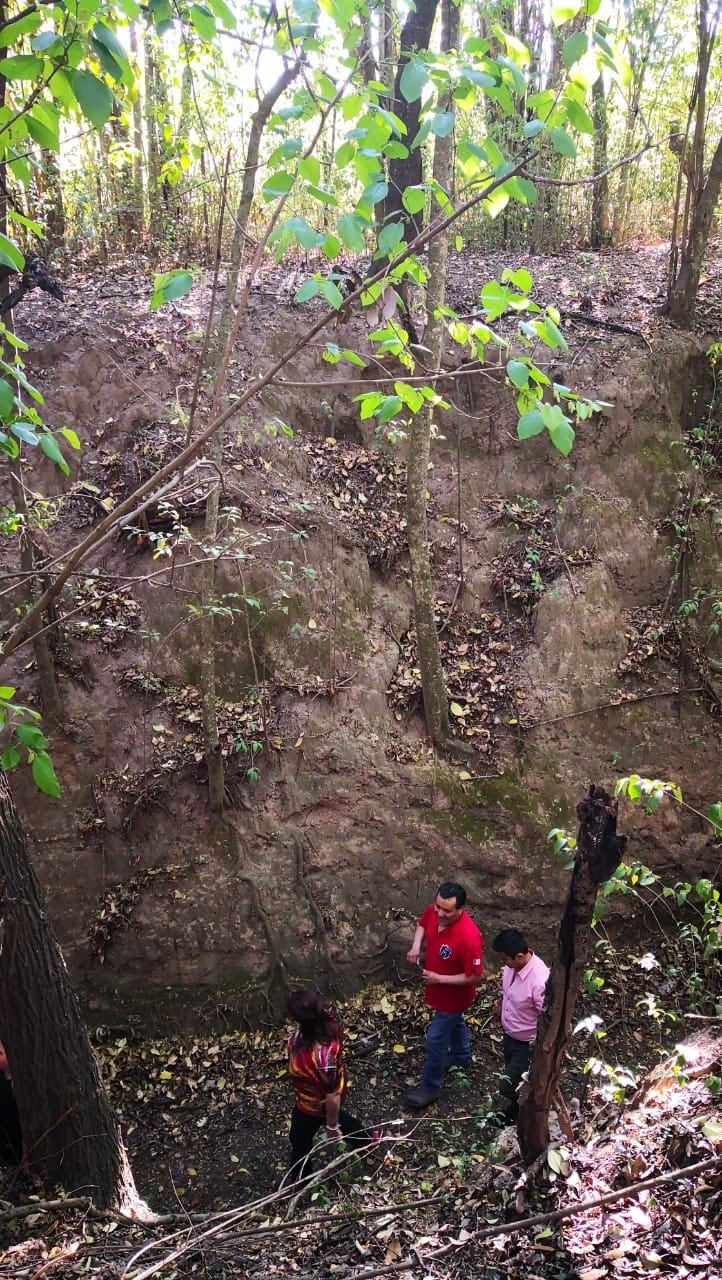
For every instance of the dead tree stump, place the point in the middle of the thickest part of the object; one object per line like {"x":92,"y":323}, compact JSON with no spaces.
{"x":599,"y":853}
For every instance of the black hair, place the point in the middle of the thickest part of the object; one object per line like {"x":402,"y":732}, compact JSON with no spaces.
{"x":450,"y":889}
{"x":317,"y":1023}
{"x":510,"y":942}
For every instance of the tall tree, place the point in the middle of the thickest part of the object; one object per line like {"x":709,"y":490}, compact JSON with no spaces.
{"x":702,"y":192}
{"x":407,"y":170}
{"x":70,"y":1135}
{"x":433,"y":684}
{"x":599,"y":852}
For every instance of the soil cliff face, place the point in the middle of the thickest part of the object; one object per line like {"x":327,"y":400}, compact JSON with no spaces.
{"x":563,"y":669}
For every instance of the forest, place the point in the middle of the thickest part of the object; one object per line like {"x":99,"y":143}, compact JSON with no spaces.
{"x":360,"y":502}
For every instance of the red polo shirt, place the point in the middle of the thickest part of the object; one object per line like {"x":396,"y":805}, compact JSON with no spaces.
{"x":458,"y":949}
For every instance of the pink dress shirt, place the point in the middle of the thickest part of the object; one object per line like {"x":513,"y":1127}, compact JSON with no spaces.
{"x":522,"y":998}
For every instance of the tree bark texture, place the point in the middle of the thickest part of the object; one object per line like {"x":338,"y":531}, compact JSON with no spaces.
{"x":599,"y":853}
{"x":259,"y":120}
{"x":600,"y":221}
{"x":69,"y":1131}
{"x":407,"y":171}
{"x":683,"y":297}
{"x":433,"y":684}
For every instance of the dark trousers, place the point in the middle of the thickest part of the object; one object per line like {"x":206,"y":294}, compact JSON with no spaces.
{"x":303,"y":1131}
{"x":517,"y":1056}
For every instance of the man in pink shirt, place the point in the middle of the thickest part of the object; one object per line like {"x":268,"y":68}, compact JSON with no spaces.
{"x":453,"y":966}
{"x":523,"y":985}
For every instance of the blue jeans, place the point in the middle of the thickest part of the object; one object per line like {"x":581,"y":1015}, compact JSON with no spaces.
{"x":447,"y":1045}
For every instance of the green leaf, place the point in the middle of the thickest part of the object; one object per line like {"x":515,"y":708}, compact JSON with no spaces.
{"x":169,"y":286}
{"x":24,"y":66}
{"x":24,"y":432}
{"x":442,"y":123}
{"x":44,"y":775}
{"x":9,"y":758}
{"x":50,"y":448}
{"x":11,"y":33}
{"x":94,"y":98}
{"x":44,"y":42}
{"x":226,"y":16}
{"x":518,"y":373}
{"x":6,"y":692}
{"x":7,"y":399}
{"x":414,"y":199}
{"x":69,"y":435}
{"x":349,"y":228}
{"x":532,"y":128}
{"x":318,"y":193}
{"x":332,"y":294}
{"x":309,"y":289}
{"x":389,"y":407}
{"x":40,"y":133}
{"x":578,"y":117}
{"x":575,"y":46}
{"x":375,"y":193}
{"x":30,"y":736}
{"x":552,"y":336}
{"x":530,"y":424}
{"x":413,"y":78}
{"x":110,"y":41}
{"x":344,"y":155}
{"x":306,"y":236}
{"x":390,"y":237}
{"x":562,"y":142}
{"x":565,"y":10}
{"x":10,"y":255}
{"x":203,"y":21}
{"x":310,"y":169}
{"x":562,"y":437}
{"x":522,"y":279}
{"x":22,"y":221}
{"x":279,"y":184}
{"x":494,"y":299}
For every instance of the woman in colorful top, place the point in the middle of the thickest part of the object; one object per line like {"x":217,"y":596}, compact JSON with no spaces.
{"x":316,"y":1069}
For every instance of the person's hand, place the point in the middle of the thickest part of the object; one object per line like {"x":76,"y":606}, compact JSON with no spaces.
{"x":414,"y":955}
{"x":433,"y":979}
{"x":496,"y":1011}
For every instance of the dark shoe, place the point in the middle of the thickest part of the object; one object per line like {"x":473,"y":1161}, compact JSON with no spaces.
{"x":422,"y":1097}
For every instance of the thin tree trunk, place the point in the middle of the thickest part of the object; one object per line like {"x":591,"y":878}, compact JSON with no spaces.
{"x":600,"y":223}
{"x":259,"y":120}
{"x":155,"y":203}
{"x":436,"y":702}
{"x":137,"y":129}
{"x":70,"y":1135}
{"x":683,"y":297}
{"x":407,"y":171}
{"x":599,"y":853}
{"x":49,"y":692}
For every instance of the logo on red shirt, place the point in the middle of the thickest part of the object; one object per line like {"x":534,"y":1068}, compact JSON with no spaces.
{"x":445,"y":951}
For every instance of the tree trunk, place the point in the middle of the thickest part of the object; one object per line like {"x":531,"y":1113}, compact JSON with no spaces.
{"x":683,"y":296}
{"x":213,"y":753}
{"x":259,"y":121}
{"x":152,"y":141}
{"x":702,"y":195}
{"x":600,"y":223}
{"x":407,"y":171}
{"x":137,"y":128}
{"x":69,"y":1131}
{"x":436,"y":702}
{"x":49,"y":692}
{"x":599,"y":853}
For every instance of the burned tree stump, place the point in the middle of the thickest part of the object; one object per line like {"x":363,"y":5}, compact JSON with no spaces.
{"x":599,"y":853}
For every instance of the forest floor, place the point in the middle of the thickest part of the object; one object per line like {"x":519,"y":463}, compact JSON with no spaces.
{"x":205,"y":1119}
{"x":445,"y":1193}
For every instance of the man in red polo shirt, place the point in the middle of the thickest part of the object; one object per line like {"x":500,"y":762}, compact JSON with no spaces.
{"x":454,"y":964}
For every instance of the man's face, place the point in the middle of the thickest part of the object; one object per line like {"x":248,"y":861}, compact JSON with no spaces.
{"x":447,"y":912}
{"x":515,"y":962}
